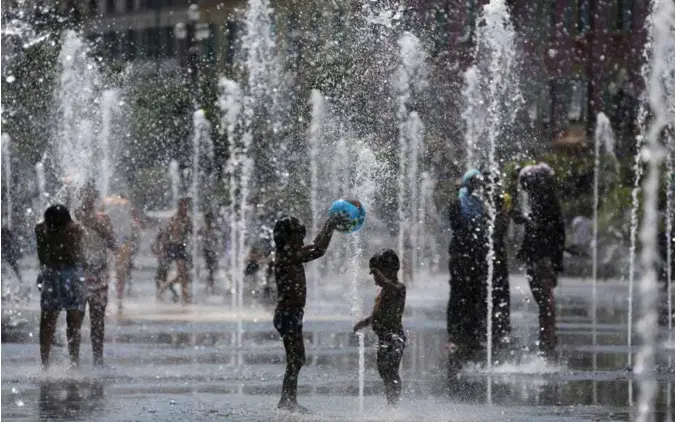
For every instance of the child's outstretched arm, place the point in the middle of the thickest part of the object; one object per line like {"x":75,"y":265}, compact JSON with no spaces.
{"x":318,"y":248}
{"x":363,"y":323}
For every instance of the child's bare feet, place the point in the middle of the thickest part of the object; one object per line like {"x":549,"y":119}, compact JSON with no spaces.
{"x":291,"y":406}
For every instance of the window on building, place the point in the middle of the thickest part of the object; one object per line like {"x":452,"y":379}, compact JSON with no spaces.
{"x":93,"y":7}
{"x":129,"y":6}
{"x":583,"y":16}
{"x":626,"y":15}
{"x":441,"y":29}
{"x":110,"y":6}
{"x":142,"y":43}
{"x":545,"y":104}
{"x":131,"y":45}
{"x":110,"y":45}
{"x":154,"y":43}
{"x":578,"y":100}
{"x":232,"y":34}
{"x":210,"y":45}
{"x":552,"y":17}
{"x":168,"y":42}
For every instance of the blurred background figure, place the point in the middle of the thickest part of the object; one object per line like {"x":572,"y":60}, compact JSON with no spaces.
{"x":209,"y":238}
{"x":11,"y":250}
{"x":127,"y":228}
{"x":179,"y":233}
{"x":99,"y":238}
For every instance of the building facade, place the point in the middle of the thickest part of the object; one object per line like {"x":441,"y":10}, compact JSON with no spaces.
{"x":578,"y":57}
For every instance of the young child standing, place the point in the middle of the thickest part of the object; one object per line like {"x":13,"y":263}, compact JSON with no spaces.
{"x":291,"y":254}
{"x":386,"y":321}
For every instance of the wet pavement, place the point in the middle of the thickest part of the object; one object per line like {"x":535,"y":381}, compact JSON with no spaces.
{"x":209,"y":362}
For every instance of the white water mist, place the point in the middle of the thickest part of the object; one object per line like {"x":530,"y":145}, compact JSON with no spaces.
{"x":662,"y":19}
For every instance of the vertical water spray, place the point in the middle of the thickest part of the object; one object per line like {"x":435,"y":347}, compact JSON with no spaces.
{"x":7,"y":170}
{"x":495,"y":69}
{"x":42,"y":194}
{"x":109,"y":109}
{"x":416,"y":136}
{"x":670,"y":173}
{"x":77,"y":97}
{"x":174,"y":175}
{"x":662,"y":19}
{"x":603,"y":136}
{"x":316,"y":101}
{"x":411,"y":75}
{"x":229,"y":102}
{"x":365,"y":184}
{"x":473,"y":116}
{"x":202,"y":151}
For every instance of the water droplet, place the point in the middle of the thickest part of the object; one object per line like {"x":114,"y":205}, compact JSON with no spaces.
{"x":10,"y":79}
{"x":173,"y":402}
{"x":552,"y":52}
{"x":20,"y":403}
{"x":15,"y":390}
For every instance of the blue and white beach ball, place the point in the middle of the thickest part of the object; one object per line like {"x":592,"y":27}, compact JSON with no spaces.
{"x":353,"y":210}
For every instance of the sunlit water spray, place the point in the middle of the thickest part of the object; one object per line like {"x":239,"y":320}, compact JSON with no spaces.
{"x":174,"y":176}
{"x":315,"y":138}
{"x":365,"y":184}
{"x":7,"y":173}
{"x":604,"y":137}
{"x":662,"y":20}
{"x":42,"y":189}
{"x":493,"y":95}
{"x":77,"y":117}
{"x":110,"y":109}
{"x":202,"y":159}
{"x":411,"y":76}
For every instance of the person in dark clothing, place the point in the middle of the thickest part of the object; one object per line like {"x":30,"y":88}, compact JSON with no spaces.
{"x":501,"y":292}
{"x":289,"y":271}
{"x":386,"y":321}
{"x":61,"y":279}
{"x":542,"y":247}
{"x":467,"y":307}
{"x":11,"y":250}
{"x":159,"y":249}
{"x":179,"y":233}
{"x":209,"y":247}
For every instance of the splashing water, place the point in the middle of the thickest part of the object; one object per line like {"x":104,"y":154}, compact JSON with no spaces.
{"x":7,"y":173}
{"x":42,"y":198}
{"x":202,"y":158}
{"x":411,"y":76}
{"x":230,"y":104}
{"x":662,"y":19}
{"x":174,"y":175}
{"x":365,"y":184}
{"x":473,"y":115}
{"x":77,"y":98}
{"x":109,"y":110}
{"x":603,"y":137}
{"x":315,"y":139}
{"x":492,"y":83}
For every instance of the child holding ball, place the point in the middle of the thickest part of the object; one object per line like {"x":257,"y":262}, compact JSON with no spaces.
{"x":386,"y":321}
{"x":291,"y":255}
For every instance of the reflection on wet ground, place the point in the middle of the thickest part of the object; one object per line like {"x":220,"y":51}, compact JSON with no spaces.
{"x":168,"y":362}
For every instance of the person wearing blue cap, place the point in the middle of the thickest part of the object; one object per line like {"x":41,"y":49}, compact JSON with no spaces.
{"x":467,"y":306}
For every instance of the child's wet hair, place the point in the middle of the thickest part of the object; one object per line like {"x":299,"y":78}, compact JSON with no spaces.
{"x":57,"y":216}
{"x":285,"y":229}
{"x":385,"y":260}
